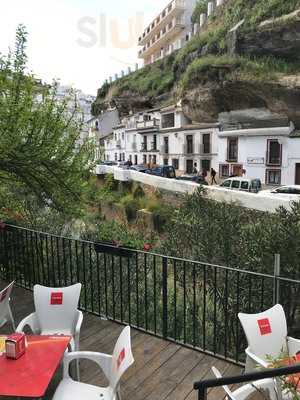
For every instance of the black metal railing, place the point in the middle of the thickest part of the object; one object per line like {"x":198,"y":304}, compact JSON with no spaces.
{"x":203,"y":386}
{"x":191,"y":303}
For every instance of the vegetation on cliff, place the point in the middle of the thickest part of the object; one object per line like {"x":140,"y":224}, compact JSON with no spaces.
{"x":210,"y":48}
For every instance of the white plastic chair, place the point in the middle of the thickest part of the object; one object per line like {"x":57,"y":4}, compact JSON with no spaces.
{"x":56,"y":313}
{"x":266,"y":334}
{"x":113,"y":367}
{"x":5,"y":310}
{"x":264,"y":386}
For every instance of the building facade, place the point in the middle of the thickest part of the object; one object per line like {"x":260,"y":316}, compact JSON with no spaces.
{"x":101,"y":127}
{"x":168,"y":32}
{"x":164,"y":137}
{"x":270,"y":152}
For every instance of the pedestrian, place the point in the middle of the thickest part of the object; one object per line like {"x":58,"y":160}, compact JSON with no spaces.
{"x":213,"y":174}
{"x":195,"y":170}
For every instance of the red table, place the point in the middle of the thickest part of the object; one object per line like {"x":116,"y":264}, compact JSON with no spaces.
{"x":30,"y":375}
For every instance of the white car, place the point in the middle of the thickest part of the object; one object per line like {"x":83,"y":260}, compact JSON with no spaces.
{"x":291,"y":192}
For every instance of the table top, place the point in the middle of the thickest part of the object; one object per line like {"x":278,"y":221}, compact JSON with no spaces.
{"x":30,"y":375}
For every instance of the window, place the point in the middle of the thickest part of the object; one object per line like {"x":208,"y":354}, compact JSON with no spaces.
{"x":135,"y":159}
{"x":189,"y":144}
{"x":123,"y":135}
{"x":226,"y":184}
{"x":245,"y":185}
{"x":168,"y":120}
{"x":144,"y":144}
{"x":144,"y":159}
{"x":166,"y":145}
{"x":149,"y":159}
{"x":147,"y":117}
{"x":274,"y":152}
{"x":189,"y":166}
{"x":175,"y":163}
{"x":206,"y":143}
{"x":130,"y":158}
{"x":154,"y":143}
{"x":154,"y":159}
{"x":273,"y":176}
{"x":232,"y":149}
{"x":166,"y":161}
{"x":235,"y":184}
{"x":224,"y":170}
{"x":205,"y":164}
{"x":116,"y":157}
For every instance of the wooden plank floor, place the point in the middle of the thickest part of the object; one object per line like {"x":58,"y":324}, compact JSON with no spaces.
{"x":162,"y":370}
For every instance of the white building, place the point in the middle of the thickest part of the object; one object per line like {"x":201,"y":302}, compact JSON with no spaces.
{"x":169,"y":31}
{"x":101,"y":127}
{"x":164,"y":136}
{"x":269,"y":151}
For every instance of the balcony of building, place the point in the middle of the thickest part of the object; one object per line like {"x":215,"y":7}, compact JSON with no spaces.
{"x":183,"y":313}
{"x":166,"y":35}
{"x":148,"y":125}
{"x":173,"y":10}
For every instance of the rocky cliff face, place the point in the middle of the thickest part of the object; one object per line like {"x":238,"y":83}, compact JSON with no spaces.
{"x":205,"y":102}
{"x":204,"y":99}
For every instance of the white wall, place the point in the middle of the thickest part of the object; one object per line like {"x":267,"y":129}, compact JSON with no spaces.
{"x":248,"y":200}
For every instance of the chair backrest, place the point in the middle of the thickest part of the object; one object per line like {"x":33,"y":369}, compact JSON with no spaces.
{"x":266,"y":332}
{"x":122,"y":357}
{"x":218,"y":374}
{"x":56,"y":308}
{"x":4,"y":300}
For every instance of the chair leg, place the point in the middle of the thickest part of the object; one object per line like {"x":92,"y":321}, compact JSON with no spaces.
{"x":119,"y":397}
{"x":77,"y":361}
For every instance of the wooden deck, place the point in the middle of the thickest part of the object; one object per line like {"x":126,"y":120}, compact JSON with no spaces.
{"x":162,"y":370}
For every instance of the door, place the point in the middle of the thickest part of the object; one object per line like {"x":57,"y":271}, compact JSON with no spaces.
{"x":189,"y":166}
{"x":237,"y":170}
{"x":297,"y":180}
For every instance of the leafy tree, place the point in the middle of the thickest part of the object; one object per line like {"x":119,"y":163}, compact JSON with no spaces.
{"x":40,"y":158}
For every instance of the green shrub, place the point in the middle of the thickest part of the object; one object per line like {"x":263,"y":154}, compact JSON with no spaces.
{"x":138,"y":192}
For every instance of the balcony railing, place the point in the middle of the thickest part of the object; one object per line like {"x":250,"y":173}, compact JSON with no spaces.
{"x":144,"y":147}
{"x":153,"y":123}
{"x":203,"y":386}
{"x":175,"y":8}
{"x":194,"y":304}
{"x":173,"y":28}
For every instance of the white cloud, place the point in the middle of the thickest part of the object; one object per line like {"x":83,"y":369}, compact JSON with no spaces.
{"x":54,"y":48}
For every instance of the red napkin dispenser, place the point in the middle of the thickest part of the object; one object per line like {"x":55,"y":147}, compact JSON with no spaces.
{"x":15,"y":345}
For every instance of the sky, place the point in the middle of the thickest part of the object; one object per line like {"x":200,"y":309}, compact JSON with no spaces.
{"x":79,"y":42}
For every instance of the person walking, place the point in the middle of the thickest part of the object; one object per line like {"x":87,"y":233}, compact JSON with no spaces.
{"x":195,"y":170}
{"x":213,"y":174}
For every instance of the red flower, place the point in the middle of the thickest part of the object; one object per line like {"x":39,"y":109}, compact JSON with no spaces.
{"x":147,"y":247}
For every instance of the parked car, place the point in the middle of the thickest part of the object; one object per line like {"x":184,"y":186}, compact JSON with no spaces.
{"x":291,"y":192}
{"x":109,"y":163}
{"x":193,"y":178}
{"x":166,"y":171}
{"x":242,"y":184}
{"x":123,"y":165}
{"x":138,"y":168}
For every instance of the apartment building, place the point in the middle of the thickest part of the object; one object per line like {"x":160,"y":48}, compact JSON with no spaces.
{"x":101,"y":127}
{"x":164,"y":137}
{"x":269,"y":150}
{"x":168,"y":32}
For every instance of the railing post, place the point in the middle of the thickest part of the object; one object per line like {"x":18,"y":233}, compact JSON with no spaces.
{"x":165,"y":296}
{"x":276,"y":287}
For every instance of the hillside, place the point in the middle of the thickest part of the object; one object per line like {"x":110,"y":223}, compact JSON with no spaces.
{"x":246,"y":57}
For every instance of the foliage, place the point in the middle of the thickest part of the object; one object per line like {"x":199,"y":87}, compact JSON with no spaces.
{"x":115,"y":232}
{"x":38,"y":140}
{"x":227,"y":234}
{"x":201,"y":7}
{"x":217,"y":68}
